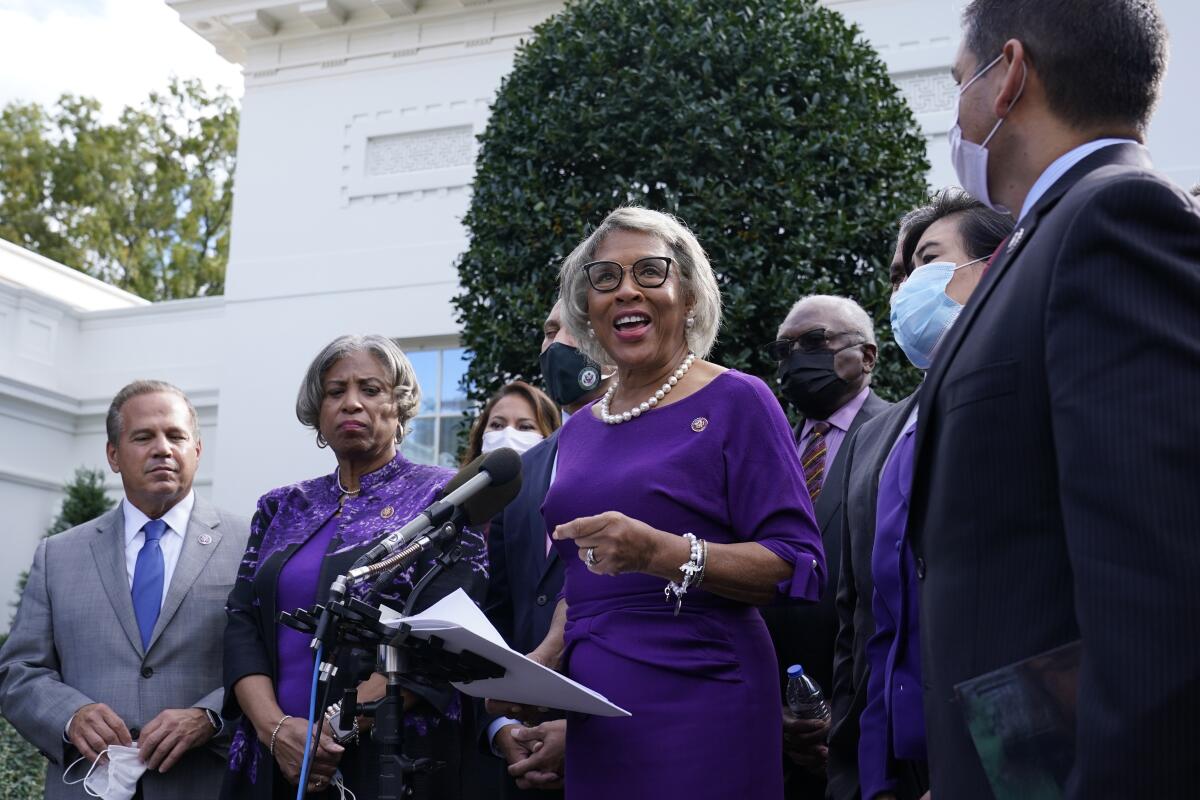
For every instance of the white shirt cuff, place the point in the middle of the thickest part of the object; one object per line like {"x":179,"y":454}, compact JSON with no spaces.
{"x":494,"y":728}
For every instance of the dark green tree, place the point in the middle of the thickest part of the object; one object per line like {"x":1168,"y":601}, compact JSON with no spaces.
{"x":85,"y":500}
{"x":142,"y":202}
{"x":769,"y":126}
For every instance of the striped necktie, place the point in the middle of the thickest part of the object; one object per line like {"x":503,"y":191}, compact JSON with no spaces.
{"x":813,"y":459}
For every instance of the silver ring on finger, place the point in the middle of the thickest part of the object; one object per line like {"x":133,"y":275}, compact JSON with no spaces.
{"x":589,"y":557}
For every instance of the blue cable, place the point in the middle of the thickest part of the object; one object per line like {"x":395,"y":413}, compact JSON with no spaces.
{"x":312,"y":713}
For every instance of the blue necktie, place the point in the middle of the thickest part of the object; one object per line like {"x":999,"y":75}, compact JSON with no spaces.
{"x":148,"y":580}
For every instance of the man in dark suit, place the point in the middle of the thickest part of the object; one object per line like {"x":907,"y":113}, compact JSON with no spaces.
{"x":826,"y":352}
{"x":1056,"y":452}
{"x":117,"y":642}
{"x":527,"y":575}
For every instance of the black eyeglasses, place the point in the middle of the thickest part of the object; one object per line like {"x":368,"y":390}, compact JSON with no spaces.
{"x":649,"y":273}
{"x":813,"y":341}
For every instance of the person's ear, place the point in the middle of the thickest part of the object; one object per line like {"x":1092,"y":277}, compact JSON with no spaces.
{"x":1016,"y":68}
{"x":110,"y":450}
{"x":870,"y":353}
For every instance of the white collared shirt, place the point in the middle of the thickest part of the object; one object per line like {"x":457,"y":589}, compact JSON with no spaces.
{"x":177,"y":518}
{"x":1061,"y":166}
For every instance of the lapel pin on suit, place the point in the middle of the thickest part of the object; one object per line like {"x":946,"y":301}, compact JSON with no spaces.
{"x":699,"y":424}
{"x":1015,"y":239}
{"x":204,"y":538}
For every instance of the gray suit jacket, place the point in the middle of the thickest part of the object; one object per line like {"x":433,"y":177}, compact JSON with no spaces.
{"x":75,"y":641}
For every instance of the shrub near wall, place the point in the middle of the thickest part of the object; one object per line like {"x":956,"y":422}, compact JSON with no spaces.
{"x":768,"y":126}
{"x":21,"y":766}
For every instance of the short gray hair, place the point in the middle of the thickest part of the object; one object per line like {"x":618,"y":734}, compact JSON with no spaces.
{"x":696,"y":277}
{"x":398,"y":371}
{"x":856,"y":317}
{"x":113,"y":422}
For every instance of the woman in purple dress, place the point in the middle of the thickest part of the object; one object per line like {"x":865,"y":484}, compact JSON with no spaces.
{"x":678,"y":506}
{"x":358,"y":394}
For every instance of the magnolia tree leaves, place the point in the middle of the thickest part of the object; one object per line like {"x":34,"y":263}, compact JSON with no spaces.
{"x":769,"y":126}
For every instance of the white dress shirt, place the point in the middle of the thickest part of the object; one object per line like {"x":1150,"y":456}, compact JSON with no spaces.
{"x":177,"y":519}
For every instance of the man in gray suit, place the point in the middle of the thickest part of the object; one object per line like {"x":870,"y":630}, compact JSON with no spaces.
{"x":118,"y":637}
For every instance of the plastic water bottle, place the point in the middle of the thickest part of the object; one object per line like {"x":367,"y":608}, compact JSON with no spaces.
{"x":804,"y":696}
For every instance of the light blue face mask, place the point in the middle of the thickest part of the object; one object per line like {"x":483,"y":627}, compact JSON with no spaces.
{"x":922,"y":312}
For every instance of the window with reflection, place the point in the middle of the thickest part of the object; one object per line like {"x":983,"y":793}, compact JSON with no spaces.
{"x":433,"y":434}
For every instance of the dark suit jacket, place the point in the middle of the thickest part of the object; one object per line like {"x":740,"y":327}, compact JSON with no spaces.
{"x":865,"y":453}
{"x":525,"y":582}
{"x":804,"y":634}
{"x":1054,"y":492}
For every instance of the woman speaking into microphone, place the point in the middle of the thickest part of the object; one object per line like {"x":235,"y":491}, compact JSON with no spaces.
{"x":358,"y":394}
{"x":678,"y":505}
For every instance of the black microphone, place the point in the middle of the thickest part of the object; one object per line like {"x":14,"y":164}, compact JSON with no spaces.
{"x":476,"y":494}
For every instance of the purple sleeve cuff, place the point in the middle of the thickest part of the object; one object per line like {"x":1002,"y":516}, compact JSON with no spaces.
{"x":807,"y":580}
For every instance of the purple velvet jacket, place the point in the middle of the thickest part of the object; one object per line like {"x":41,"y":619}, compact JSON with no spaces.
{"x":286,"y":517}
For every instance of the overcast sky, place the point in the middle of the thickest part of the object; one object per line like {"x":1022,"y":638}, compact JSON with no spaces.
{"x":114,"y":50}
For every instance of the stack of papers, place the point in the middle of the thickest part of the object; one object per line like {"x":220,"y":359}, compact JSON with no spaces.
{"x":459,"y":623}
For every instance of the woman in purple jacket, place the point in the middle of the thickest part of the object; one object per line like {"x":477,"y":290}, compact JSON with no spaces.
{"x":358,"y":394}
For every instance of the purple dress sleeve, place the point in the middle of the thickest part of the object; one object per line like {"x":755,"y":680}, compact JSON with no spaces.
{"x":768,"y":500}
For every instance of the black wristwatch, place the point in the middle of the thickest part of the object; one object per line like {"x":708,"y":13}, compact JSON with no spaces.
{"x":214,"y":719}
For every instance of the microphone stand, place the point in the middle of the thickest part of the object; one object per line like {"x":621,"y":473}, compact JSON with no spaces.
{"x":345,"y":620}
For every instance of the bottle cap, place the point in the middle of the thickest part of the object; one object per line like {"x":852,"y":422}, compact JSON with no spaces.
{"x":795,"y":671}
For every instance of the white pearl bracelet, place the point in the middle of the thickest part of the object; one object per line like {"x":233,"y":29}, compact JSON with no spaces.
{"x":693,"y":571}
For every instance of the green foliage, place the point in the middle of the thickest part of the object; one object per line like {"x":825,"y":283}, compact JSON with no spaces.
{"x":85,"y":500}
{"x":22,"y":769}
{"x":142,"y":203}
{"x":768,"y":126}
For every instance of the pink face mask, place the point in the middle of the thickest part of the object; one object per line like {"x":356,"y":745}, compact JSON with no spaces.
{"x":971,"y":160}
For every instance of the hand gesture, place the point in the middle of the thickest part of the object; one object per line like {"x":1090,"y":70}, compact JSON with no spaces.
{"x":94,"y":727}
{"x":546,"y":745}
{"x":804,"y":741}
{"x":289,"y":754}
{"x":172,"y":733}
{"x":612,"y":543}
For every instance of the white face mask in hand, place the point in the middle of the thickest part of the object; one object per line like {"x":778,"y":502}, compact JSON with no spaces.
{"x":114,"y":779}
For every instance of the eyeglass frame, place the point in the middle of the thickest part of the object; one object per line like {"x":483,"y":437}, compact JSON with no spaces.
{"x":793,"y":345}
{"x":587,"y":271}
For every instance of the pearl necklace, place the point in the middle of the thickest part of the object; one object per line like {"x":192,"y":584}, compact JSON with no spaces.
{"x":337,"y":476}
{"x":642,"y":408}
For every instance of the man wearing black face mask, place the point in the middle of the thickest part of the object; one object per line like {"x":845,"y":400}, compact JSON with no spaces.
{"x":526,"y":574}
{"x":826,"y":351}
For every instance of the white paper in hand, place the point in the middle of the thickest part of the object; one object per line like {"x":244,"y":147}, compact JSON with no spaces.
{"x":462,"y":626}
